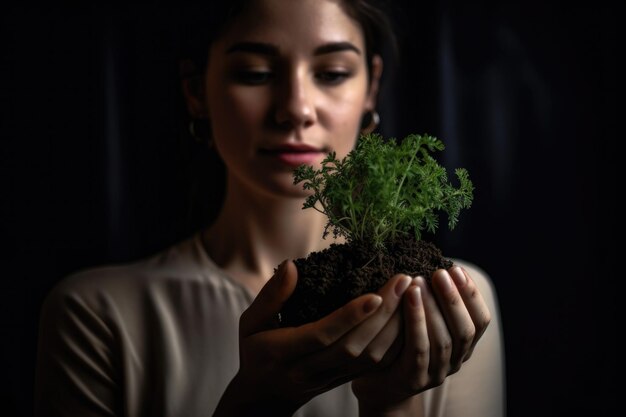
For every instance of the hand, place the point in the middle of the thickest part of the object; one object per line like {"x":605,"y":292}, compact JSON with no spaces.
{"x":283,"y":368}
{"x":442,"y":324}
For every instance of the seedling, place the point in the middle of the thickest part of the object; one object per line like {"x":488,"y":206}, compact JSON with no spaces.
{"x":381,"y":198}
{"x":383,"y":189}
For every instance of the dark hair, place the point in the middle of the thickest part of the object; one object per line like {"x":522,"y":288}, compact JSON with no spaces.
{"x":376,"y":25}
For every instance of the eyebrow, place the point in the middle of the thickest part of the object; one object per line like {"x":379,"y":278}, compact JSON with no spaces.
{"x":329,"y":48}
{"x":253,"y":47}
{"x":272,"y":50}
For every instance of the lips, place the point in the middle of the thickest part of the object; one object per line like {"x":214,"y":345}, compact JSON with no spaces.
{"x":294,"y":154}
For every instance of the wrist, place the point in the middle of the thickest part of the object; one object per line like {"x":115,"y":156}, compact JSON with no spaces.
{"x":243,"y":399}
{"x":411,"y":406}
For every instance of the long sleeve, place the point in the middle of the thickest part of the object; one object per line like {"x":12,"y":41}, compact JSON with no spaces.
{"x":159,"y":337}
{"x":76,"y":364}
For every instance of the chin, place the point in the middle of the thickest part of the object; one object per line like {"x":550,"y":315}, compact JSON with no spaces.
{"x":284,"y":189}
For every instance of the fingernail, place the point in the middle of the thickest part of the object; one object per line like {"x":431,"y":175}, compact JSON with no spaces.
{"x":415,"y":293}
{"x":402,"y":284}
{"x":281,"y":270}
{"x":458,"y":276}
{"x":445,"y":280}
{"x":372,"y":304}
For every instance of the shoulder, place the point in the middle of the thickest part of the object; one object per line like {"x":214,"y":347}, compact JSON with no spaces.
{"x":175,"y":261}
{"x":181,"y":268}
{"x":108,"y":331}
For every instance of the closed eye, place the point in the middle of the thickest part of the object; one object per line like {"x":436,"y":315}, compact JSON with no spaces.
{"x":253,"y":77}
{"x":332,"y":77}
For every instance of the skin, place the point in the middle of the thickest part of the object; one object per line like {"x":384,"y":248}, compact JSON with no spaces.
{"x":294,"y":73}
{"x":308,"y":97}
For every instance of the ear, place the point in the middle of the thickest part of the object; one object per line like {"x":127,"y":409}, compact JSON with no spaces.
{"x":192,"y":83}
{"x":372,"y":94}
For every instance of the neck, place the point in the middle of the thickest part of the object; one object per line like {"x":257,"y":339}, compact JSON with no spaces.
{"x":254,"y":233}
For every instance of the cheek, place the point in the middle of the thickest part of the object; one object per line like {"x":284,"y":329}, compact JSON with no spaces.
{"x":236,"y":119}
{"x":346,"y":139}
{"x":236,"y":110}
{"x":345,"y":121}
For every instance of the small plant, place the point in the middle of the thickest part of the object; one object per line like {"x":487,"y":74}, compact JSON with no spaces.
{"x":383,"y":189}
{"x":381,"y":197}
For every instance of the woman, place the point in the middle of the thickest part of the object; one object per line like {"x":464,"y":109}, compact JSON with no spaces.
{"x":191,"y":331}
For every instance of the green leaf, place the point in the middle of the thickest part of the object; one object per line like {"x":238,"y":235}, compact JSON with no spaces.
{"x":384,"y":188}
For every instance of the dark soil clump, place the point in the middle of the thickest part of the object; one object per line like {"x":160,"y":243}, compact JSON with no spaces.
{"x":330,"y":278}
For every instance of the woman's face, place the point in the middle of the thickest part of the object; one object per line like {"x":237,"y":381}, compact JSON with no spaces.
{"x":286,"y":84}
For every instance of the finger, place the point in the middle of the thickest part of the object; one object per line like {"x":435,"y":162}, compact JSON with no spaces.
{"x":387,"y":344}
{"x":367,"y":332}
{"x":438,"y":333}
{"x":340,"y":359}
{"x":416,"y":352}
{"x":319,"y":335}
{"x":474,"y":302}
{"x":458,"y":319}
{"x":263,"y":312}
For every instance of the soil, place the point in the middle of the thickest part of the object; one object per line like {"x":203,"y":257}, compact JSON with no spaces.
{"x":330,"y":278}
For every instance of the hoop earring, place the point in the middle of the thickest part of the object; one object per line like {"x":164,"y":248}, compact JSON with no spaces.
{"x":199,"y":130}
{"x":370,"y":122}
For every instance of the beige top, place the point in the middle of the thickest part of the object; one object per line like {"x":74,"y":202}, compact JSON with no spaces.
{"x":158,"y":337}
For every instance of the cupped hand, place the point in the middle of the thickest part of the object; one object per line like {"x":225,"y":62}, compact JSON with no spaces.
{"x":283,"y":368}
{"x":442,"y":324}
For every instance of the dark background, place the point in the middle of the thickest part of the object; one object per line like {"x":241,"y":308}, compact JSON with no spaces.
{"x":524,"y":95}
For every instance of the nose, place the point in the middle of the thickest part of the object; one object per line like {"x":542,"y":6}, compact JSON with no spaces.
{"x":295,"y":106}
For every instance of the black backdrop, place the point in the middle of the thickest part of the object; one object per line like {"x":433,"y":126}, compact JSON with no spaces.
{"x":524,"y":95}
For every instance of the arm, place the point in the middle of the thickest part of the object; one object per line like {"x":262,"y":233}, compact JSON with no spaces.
{"x":283,"y":368}
{"x":75,"y":373}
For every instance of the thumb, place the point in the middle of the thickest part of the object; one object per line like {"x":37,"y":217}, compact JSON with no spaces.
{"x":263,"y":312}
